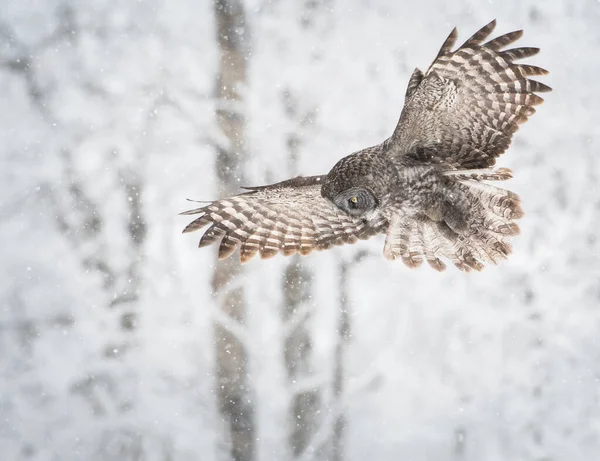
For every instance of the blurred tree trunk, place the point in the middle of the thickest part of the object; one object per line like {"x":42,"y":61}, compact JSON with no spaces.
{"x":296,"y":293}
{"x":79,"y":216}
{"x":85,"y":222}
{"x":231,"y":357}
{"x":297,"y":351}
{"x":343,"y":331}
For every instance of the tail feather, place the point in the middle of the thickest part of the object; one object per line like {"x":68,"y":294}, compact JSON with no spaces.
{"x":482,"y":174}
{"x":461,"y":248}
{"x":433,"y":244}
{"x":398,"y":235}
{"x":501,"y":202}
{"x":413,"y":255}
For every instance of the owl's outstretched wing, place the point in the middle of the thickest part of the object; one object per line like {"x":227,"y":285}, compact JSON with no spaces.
{"x":288,"y":217}
{"x":464,"y":110}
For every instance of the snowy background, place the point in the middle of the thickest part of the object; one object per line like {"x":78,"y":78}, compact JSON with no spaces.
{"x":108,"y":314}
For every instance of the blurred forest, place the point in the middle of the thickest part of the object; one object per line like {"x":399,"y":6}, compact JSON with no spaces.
{"x":121,"y":341}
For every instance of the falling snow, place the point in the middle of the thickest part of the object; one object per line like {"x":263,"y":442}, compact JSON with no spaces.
{"x":108,"y":348}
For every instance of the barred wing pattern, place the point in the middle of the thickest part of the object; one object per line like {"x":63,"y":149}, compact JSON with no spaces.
{"x":464,"y":110}
{"x":288,"y":217}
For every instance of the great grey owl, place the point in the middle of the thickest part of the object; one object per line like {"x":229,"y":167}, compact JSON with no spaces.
{"x":425,"y":187}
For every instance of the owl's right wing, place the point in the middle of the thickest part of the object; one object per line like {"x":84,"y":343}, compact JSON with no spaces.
{"x":288,"y":217}
{"x":464,"y":110}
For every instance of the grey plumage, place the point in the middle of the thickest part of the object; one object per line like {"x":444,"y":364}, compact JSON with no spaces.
{"x":425,"y":187}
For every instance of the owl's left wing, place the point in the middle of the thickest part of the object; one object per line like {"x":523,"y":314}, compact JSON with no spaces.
{"x":288,"y":217}
{"x":465,"y":109}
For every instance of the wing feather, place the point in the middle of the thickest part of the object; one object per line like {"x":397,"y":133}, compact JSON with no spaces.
{"x":465,"y":109}
{"x":288,"y":217}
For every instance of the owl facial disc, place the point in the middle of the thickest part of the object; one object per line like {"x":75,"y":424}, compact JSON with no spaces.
{"x":356,"y":201}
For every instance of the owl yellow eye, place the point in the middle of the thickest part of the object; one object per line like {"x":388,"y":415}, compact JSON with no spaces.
{"x":355,"y":201}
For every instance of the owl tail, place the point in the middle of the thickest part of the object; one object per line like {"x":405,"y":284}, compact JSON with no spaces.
{"x":471,"y":228}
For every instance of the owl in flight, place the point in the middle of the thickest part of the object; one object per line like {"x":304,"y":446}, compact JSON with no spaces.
{"x":426,"y":187}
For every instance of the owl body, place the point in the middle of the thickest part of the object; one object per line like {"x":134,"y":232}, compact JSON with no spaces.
{"x":427,"y":187}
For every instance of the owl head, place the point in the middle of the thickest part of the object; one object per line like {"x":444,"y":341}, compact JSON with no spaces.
{"x":359,"y":183}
